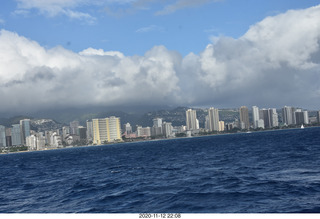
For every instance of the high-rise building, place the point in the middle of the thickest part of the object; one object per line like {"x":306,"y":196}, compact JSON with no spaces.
{"x":2,"y":136}
{"x":16,"y":135}
{"x":157,"y":122}
{"x":273,"y":115}
{"x":299,"y":117}
{"x":269,"y":117}
{"x":31,"y":142}
{"x":106,"y":130}
{"x":261,"y":123}
{"x":157,"y":129}
{"x":213,"y":119}
{"x":82,"y":133}
{"x":65,"y":132}
{"x":221,"y":126}
{"x":167,"y":129}
{"x":288,"y":115}
{"x":55,"y":140}
{"x":244,"y":117}
{"x":74,"y":125}
{"x":24,"y":130}
{"x":206,"y":123}
{"x":127,"y":129}
{"x":191,"y":119}
{"x":255,"y":116}
{"x":305,"y":117}
{"x":114,"y":128}
{"x":265,"y":116}
{"x":41,"y":141}
{"x":197,"y":124}
{"x":143,"y":131}
{"x":89,"y":131}
{"x":8,"y":137}
{"x":47,"y":135}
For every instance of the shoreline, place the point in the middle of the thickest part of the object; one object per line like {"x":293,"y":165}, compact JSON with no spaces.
{"x":164,"y":139}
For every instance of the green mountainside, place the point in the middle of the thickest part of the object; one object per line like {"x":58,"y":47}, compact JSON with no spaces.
{"x":177,"y":116}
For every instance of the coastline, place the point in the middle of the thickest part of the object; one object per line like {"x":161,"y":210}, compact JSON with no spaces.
{"x":161,"y":139}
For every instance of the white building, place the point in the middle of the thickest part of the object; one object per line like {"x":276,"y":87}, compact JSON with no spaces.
{"x":55,"y":140}
{"x":167,"y":129}
{"x":114,"y":128}
{"x":3,"y":136}
{"x":143,"y":131}
{"x":65,"y":132}
{"x":127,"y":129}
{"x":221,"y":126}
{"x":106,"y":130}
{"x":191,"y":120}
{"x":260,"y":123}
{"x":89,"y":131}
{"x":31,"y":142}
{"x":41,"y":141}
{"x":255,"y":116}
{"x":288,"y":115}
{"x":213,"y":119}
{"x":305,"y":117}
{"x":157,"y":122}
{"x":274,"y":117}
{"x":206,"y":123}
{"x":24,"y":129}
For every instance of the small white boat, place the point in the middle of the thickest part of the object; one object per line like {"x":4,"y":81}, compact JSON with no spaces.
{"x":302,"y":126}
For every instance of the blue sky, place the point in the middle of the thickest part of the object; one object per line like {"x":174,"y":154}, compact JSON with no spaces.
{"x":209,"y":53}
{"x":133,"y":29}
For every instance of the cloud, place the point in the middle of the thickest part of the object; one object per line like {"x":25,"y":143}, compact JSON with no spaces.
{"x":34,"y":77}
{"x":116,"y":8}
{"x":151,"y":28}
{"x":272,"y":64}
{"x":100,"y":52}
{"x":181,"y":4}
{"x":53,"y":8}
{"x":120,"y":8}
{"x":275,"y":63}
{"x":79,"y":16}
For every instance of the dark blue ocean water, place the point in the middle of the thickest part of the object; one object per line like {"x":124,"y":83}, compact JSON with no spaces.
{"x":275,"y":171}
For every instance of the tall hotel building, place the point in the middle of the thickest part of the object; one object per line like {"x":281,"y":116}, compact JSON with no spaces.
{"x":191,"y":119}
{"x":288,"y":115}
{"x":244,"y":117}
{"x":106,"y":130}
{"x":89,"y":130}
{"x":16,"y":135}
{"x":270,"y":117}
{"x":2,"y":136}
{"x":255,"y":116}
{"x":24,"y":130}
{"x":213,"y":119}
{"x":273,"y":117}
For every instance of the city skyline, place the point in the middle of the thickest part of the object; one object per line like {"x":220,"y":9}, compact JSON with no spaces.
{"x":100,"y":131}
{"x":259,"y":63}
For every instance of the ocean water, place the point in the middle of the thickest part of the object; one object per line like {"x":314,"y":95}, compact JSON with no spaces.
{"x":263,"y":172}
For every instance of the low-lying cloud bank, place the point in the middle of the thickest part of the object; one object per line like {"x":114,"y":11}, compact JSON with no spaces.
{"x":276,"y":63}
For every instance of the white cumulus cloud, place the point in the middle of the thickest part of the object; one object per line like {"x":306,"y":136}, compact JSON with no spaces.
{"x":276,"y":63}
{"x":33,"y":77}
